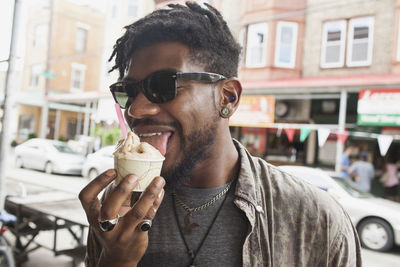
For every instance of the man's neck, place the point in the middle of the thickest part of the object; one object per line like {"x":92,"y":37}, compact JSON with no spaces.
{"x":220,"y":168}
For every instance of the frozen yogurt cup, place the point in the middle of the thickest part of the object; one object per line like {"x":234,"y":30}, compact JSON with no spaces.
{"x":139,"y":158}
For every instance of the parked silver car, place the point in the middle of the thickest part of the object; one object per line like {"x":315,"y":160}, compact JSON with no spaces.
{"x":377,"y":220}
{"x":49,"y":156}
{"x":98,"y":162}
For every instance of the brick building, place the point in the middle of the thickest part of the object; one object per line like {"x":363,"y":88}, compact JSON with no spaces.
{"x":64,"y":45}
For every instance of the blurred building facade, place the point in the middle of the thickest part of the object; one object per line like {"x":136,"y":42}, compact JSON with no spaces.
{"x":304,"y":63}
{"x":65,"y":76}
{"x":60,"y":78}
{"x":314,"y":60}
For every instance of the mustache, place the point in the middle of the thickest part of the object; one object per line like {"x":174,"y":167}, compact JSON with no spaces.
{"x":150,"y":121}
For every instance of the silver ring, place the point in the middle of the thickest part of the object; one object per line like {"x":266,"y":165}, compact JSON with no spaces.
{"x":145,"y":225}
{"x":108,"y":225}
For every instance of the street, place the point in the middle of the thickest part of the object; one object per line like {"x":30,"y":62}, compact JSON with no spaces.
{"x":73,"y":184}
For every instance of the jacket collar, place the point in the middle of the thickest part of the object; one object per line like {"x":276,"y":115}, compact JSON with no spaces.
{"x":246,"y":187}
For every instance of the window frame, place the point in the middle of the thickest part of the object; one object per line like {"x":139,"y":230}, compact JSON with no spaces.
{"x":35,"y":72}
{"x":342,"y":24}
{"x":293,"y":50}
{"x":82,"y":68}
{"x":242,"y":42}
{"x":263,"y":62}
{"x":81,"y":27}
{"x":350,"y":42}
{"x":40,"y":35}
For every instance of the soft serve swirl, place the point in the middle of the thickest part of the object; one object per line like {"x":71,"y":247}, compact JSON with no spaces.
{"x":132,"y":148}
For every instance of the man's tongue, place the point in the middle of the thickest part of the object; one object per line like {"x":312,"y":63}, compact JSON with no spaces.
{"x":158,"y":141}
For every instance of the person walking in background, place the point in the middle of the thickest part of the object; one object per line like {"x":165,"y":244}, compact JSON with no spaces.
{"x":345,"y":161}
{"x":363,"y":172}
{"x":390,"y":179}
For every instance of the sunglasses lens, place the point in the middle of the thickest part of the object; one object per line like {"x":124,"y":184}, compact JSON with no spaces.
{"x":122,"y":99}
{"x":160,"y":87}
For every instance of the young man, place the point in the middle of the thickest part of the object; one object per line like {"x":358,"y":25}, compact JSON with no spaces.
{"x":363,"y":172}
{"x":220,"y":206}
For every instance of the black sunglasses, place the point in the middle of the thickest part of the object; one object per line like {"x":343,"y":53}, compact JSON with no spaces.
{"x":158,"y":87}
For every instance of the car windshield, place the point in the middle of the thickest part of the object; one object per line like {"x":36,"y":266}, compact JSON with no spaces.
{"x":63,"y":148}
{"x":352,"y":189}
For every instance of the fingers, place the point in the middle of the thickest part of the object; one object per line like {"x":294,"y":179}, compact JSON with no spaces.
{"x":88,"y":195}
{"x":111,"y":207}
{"x":153,"y":210}
{"x":147,"y":205}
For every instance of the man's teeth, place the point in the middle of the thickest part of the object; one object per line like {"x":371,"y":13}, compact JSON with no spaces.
{"x":149,"y":134}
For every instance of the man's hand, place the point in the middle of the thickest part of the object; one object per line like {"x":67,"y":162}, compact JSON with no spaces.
{"x":125,"y":245}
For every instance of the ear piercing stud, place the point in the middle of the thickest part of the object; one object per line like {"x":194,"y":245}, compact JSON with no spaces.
{"x":225,"y":111}
{"x":231,"y":98}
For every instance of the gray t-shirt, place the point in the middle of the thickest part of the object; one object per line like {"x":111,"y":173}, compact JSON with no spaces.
{"x":222,"y":246}
{"x":365,"y":171}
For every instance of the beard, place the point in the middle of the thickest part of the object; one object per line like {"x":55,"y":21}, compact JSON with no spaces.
{"x":197,"y":146}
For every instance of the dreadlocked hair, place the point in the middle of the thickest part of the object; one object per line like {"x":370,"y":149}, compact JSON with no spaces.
{"x":204,"y":31}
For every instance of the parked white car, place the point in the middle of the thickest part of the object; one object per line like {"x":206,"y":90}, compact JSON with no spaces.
{"x":377,"y":220}
{"x":49,"y":156}
{"x":98,"y":162}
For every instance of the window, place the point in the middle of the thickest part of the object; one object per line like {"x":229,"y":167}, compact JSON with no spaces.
{"x":80,"y":40}
{"x":36,"y":71}
{"x":333,"y":44}
{"x":26,"y":126}
{"x":133,"y":8}
{"x":360,"y":42}
{"x":256,"y":45}
{"x":285,"y":45}
{"x":77,"y":77}
{"x":40,"y":36}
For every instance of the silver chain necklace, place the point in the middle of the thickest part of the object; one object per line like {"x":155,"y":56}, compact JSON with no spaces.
{"x":205,"y":205}
{"x":189,"y":226}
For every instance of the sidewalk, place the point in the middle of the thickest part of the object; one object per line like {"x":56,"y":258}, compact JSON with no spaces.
{"x":43,"y":257}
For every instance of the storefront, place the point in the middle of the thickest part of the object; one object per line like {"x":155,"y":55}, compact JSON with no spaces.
{"x":313,"y":127}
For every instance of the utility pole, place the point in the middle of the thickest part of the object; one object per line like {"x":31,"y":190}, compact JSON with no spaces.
{"x":9,"y":91}
{"x":342,"y":124}
{"x":44,"y":117}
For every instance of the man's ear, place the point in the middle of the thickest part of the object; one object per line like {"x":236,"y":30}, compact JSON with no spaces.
{"x":229,"y":97}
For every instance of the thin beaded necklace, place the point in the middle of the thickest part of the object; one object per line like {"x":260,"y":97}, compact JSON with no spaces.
{"x":192,"y":253}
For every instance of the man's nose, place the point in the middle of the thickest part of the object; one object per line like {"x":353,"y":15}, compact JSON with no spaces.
{"x":141,"y":107}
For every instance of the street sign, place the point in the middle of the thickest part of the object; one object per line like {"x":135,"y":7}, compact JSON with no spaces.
{"x":379,"y":107}
{"x":49,"y":74}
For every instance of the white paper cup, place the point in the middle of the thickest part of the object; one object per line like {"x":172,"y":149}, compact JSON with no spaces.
{"x":145,"y":169}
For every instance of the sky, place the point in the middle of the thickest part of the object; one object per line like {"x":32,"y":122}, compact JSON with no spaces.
{"x":6,"y":14}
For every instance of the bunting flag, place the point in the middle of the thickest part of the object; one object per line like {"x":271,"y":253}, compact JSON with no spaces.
{"x":279,"y":132}
{"x":304,"y":132}
{"x":290,"y":134}
{"x":342,"y":136}
{"x":384,"y":142}
{"x":322,"y":136}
